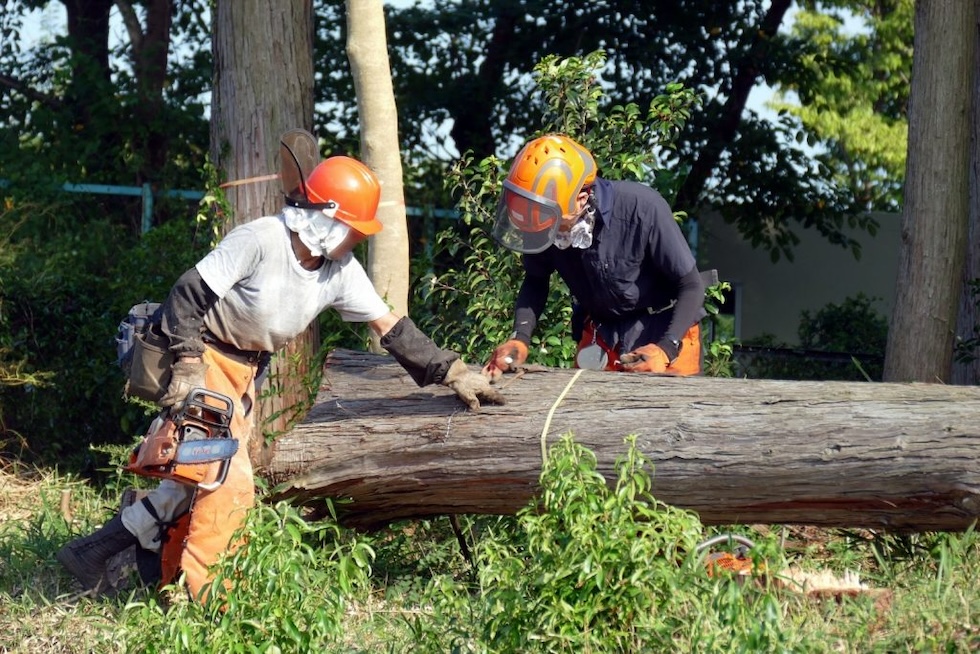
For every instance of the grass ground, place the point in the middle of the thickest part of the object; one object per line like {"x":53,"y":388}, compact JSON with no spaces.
{"x":920,"y":593}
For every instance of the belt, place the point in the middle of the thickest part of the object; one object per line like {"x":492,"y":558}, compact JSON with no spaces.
{"x":636,"y":313}
{"x":242,"y":356}
{"x":650,"y":311}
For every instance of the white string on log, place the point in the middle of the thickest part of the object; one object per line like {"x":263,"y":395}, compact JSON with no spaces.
{"x":551,"y":413}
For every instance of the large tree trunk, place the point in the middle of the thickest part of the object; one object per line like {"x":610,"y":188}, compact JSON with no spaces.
{"x":151,"y":50}
{"x":891,"y":456}
{"x":934,"y":219}
{"x":263,"y":68}
{"x":367,"y":49}
{"x":968,"y":321}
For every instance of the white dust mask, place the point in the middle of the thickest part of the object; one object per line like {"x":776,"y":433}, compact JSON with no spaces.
{"x":316,"y":228}
{"x":580,"y":235}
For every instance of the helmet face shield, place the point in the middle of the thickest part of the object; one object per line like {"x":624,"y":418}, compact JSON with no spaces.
{"x":298,"y":156}
{"x":526,"y":222}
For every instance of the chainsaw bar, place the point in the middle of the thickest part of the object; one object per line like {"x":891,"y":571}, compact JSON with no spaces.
{"x":206,"y":450}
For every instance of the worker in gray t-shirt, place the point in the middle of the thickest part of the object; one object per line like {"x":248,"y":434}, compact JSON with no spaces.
{"x":262,"y":286}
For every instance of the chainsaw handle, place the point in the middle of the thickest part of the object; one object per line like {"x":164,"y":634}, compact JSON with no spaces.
{"x":220,"y":479}
{"x":216,"y":413}
{"x":725,"y":538}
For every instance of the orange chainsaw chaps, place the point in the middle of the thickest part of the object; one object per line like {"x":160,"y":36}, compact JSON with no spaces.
{"x":217,"y":514}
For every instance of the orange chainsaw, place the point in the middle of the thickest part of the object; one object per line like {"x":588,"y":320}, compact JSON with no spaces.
{"x":191,"y":446}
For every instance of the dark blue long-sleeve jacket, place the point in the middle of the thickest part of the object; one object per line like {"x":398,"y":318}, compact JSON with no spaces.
{"x":638,"y":281}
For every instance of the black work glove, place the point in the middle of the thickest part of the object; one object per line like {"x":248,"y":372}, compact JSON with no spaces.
{"x":417,"y":353}
{"x":429,"y":364}
{"x":185,"y":377}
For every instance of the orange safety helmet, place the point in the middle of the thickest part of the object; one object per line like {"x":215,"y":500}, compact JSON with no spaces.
{"x":542,"y":186}
{"x":352,"y":186}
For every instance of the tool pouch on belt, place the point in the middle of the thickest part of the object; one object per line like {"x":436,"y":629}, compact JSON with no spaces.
{"x":143,"y":352}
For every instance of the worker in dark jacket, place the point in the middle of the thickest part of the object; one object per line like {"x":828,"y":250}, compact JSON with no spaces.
{"x":637,"y":293}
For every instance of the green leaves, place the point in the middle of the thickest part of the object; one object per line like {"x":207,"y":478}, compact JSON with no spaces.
{"x":626,"y":141}
{"x":850,"y":91}
{"x":286,"y":589}
{"x":471,"y":299}
{"x":601,"y":566}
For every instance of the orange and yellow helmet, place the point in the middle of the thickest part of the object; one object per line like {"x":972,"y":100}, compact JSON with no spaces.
{"x":543,"y":185}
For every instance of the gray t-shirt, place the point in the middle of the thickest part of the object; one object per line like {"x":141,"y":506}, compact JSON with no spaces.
{"x":266,"y":298}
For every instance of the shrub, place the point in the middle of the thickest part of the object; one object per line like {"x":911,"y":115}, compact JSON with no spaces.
{"x":840,"y":342}
{"x":286,"y":590}
{"x":598,"y":568}
{"x":470,"y":299}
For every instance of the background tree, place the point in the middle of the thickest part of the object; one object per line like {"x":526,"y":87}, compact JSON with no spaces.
{"x":966,"y":361}
{"x":850,"y":93}
{"x":367,"y":49}
{"x":67,"y":108}
{"x":85,"y":107}
{"x":935,"y":216}
{"x":263,"y":86}
{"x":852,"y":99}
{"x":462,"y":77}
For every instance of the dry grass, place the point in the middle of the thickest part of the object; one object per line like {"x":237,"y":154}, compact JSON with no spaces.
{"x":18,"y":492}
{"x":41,"y":609}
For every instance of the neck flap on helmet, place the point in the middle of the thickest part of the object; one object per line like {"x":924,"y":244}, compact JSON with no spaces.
{"x":298,"y":156}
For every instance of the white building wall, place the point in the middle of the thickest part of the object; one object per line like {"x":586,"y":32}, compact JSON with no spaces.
{"x":772,"y":296}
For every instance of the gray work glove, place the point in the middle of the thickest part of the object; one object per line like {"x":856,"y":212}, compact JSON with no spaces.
{"x":471,"y":387}
{"x":185,"y":376}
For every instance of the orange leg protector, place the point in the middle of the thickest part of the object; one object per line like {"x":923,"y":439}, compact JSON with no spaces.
{"x":215,"y":515}
{"x":688,"y":362}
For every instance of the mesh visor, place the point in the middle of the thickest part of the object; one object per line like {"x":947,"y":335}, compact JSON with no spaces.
{"x":298,"y":156}
{"x":526,"y":222}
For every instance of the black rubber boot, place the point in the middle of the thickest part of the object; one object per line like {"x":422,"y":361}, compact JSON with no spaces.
{"x":85,"y":558}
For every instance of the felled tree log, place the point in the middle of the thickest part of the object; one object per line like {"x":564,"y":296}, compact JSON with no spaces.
{"x":901,"y":457}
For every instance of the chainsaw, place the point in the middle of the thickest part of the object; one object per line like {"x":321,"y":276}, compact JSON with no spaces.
{"x":191,"y":446}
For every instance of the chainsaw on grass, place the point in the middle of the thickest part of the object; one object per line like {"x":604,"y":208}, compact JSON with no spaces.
{"x":191,"y":446}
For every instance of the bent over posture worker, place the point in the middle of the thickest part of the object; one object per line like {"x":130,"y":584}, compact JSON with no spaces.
{"x":637,"y":293}
{"x":263,"y":284}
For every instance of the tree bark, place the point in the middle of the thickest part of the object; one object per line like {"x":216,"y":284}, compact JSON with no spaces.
{"x":88,"y":30}
{"x":845,"y":454}
{"x":263,"y":86}
{"x":934,"y":218}
{"x":367,"y":49}
{"x":151,"y":50}
{"x":968,"y":320}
